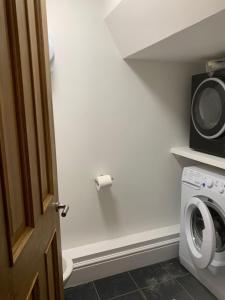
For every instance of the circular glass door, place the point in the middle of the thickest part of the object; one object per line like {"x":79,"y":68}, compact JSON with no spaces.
{"x":197,"y":227}
{"x":200,"y":232}
{"x":208,"y":108}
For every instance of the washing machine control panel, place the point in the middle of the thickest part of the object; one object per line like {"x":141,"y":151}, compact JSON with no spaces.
{"x":193,"y":177}
{"x":204,"y":181}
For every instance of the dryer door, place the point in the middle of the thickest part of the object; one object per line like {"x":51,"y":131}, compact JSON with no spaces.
{"x":200,"y":232}
{"x":208,"y":108}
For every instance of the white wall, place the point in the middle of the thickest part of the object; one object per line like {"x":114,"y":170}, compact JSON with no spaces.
{"x":109,"y":5}
{"x":114,"y":117}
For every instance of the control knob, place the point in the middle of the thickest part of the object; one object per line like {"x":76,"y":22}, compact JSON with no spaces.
{"x":209,"y":182}
{"x":221,"y":189}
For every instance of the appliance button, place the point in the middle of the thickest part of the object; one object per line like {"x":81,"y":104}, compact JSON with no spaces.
{"x":209,"y":182}
{"x":221,"y":190}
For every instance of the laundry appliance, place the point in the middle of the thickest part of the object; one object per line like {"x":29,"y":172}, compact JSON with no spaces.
{"x":202,"y":236}
{"x":207,"y":124}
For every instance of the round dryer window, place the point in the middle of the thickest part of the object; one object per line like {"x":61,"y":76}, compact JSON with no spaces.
{"x":208,"y":108}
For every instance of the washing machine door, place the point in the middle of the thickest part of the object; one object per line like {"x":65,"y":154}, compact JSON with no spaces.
{"x":208,"y":108}
{"x":200,"y":232}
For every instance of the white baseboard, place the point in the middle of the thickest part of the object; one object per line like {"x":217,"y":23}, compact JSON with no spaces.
{"x":108,"y":258}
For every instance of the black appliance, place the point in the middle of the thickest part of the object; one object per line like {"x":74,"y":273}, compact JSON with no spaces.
{"x":207,"y":128}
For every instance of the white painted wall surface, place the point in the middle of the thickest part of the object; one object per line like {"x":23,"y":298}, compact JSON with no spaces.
{"x":109,"y":5}
{"x":113,"y":117}
{"x":136,"y":25}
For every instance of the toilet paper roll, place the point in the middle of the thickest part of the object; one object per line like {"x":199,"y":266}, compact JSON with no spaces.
{"x":103,"y":181}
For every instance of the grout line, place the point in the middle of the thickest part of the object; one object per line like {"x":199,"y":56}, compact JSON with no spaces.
{"x":172,"y":278}
{"x":183,"y":275}
{"x":185,"y":289}
{"x":96,"y":291}
{"x":125,"y":294}
{"x":138,"y":288}
{"x":147,"y":286}
{"x":141,"y":289}
{"x":165,"y":270}
{"x":175,"y":279}
{"x":142,"y":294}
{"x":133,"y":280}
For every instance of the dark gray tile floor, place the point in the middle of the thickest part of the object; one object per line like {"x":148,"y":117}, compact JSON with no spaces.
{"x":163,"y":281}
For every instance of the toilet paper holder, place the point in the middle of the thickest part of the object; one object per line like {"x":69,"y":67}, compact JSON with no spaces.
{"x":103,"y":181}
{"x":103,"y":175}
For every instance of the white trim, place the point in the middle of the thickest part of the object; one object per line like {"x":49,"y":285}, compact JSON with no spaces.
{"x":138,"y":253}
{"x":221,"y":131}
{"x":67,"y":263}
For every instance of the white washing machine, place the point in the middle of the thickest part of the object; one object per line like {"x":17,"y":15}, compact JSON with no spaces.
{"x":202,"y":239}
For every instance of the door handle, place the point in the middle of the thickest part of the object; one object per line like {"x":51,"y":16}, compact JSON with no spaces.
{"x":63,"y":207}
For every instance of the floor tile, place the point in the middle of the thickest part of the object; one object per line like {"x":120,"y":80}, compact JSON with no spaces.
{"x":195,"y":288}
{"x":81,"y":292}
{"x":131,"y":296}
{"x":174,"y":268}
{"x":150,"y":276}
{"x":114,"y":286}
{"x":169,"y":290}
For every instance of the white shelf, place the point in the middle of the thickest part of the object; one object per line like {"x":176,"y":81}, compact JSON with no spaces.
{"x":211,"y":160}
{"x":191,"y":30}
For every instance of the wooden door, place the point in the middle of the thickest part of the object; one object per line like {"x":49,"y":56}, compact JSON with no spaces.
{"x":30,"y":249}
